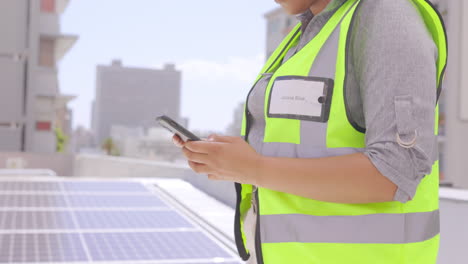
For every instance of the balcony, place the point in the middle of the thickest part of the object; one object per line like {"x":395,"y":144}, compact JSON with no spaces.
{"x":49,"y":24}
{"x":54,"y":47}
{"x":60,"y":5}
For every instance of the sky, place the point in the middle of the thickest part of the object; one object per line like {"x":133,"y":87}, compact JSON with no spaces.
{"x":218,"y":45}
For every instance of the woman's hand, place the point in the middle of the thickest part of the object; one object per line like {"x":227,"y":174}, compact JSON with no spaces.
{"x":222,"y":158}
{"x":178,"y":141}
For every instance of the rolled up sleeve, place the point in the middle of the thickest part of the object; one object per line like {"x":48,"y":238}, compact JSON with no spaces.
{"x":394,"y":59}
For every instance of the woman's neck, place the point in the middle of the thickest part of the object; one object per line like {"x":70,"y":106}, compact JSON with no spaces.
{"x":319,"y":6}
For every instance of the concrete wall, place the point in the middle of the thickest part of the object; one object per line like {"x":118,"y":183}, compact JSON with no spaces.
{"x":105,"y":166}
{"x":454,"y":228}
{"x":13,"y":26}
{"x":12,"y":90}
{"x":108,"y":167}
{"x":13,"y":42}
{"x":457,"y":95}
{"x":61,"y":164}
{"x":10,"y":138}
{"x":221,"y":190}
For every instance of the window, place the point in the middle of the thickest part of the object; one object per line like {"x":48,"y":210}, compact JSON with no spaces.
{"x":48,"y":6}
{"x":43,"y":126}
{"x":46,"y":52}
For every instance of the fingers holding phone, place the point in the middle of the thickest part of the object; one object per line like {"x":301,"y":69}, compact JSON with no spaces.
{"x":178,"y":141}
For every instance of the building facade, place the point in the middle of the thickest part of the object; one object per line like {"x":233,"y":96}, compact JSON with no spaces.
{"x":134,"y":97}
{"x":31,"y":106}
{"x":455,"y":143}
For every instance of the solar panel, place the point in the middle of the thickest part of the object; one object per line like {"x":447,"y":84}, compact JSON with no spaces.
{"x":104,"y":186}
{"x":150,"y":246}
{"x":11,"y":220}
{"x":63,"y":221}
{"x":29,"y":186}
{"x":29,"y":200}
{"x":24,"y":248}
{"x":113,"y":201}
{"x":130,"y":219}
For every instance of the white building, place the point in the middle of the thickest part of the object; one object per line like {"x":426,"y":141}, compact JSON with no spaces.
{"x":134,"y":97}
{"x":234,"y":129}
{"x":279,"y":24}
{"x":81,"y":140}
{"x":155,"y":144}
{"x":31,"y":106}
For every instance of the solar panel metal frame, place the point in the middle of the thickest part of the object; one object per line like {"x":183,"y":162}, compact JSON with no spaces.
{"x":78,"y":232}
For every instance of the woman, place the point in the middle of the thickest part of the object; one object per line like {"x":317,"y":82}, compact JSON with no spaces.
{"x":338,"y":160}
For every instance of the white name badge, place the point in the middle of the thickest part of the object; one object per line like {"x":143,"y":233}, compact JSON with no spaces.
{"x":299,"y":97}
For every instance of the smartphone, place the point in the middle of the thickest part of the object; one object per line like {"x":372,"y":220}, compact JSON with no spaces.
{"x":175,"y":128}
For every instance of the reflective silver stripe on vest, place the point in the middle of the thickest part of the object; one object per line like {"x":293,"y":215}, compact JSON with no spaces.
{"x":364,"y":229}
{"x":275,"y":149}
{"x":314,"y":134}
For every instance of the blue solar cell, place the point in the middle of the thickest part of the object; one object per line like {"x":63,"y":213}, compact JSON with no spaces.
{"x":104,"y":186}
{"x":130,"y":219}
{"x":113,"y":201}
{"x":152,"y":246}
{"x":27,"y":200}
{"x":17,"y":246}
{"x":13,"y":220}
{"x":23,"y":248}
{"x":29,"y":186}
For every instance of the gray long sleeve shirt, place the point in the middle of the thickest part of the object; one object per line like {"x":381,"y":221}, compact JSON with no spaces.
{"x":390,"y":89}
{"x":391,"y":69}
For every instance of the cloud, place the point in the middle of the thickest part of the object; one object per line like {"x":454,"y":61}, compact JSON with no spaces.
{"x":243,"y":69}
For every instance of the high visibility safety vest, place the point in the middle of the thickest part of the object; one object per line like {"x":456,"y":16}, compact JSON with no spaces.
{"x":294,"y":229}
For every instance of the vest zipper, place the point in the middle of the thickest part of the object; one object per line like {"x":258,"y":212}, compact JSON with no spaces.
{"x":254,"y":200}
{"x":258,"y":243}
{"x":249,"y":115}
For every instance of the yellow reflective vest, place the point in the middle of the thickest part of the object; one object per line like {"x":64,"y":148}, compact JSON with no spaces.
{"x":294,"y":229}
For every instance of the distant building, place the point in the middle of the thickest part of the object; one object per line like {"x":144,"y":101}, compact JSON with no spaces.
{"x":82,"y":139}
{"x":31,"y":106}
{"x":279,"y":24}
{"x":234,"y":129}
{"x":155,"y":144}
{"x":134,"y":97}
